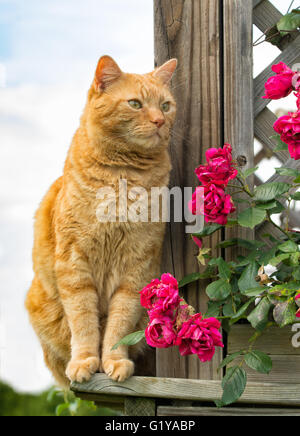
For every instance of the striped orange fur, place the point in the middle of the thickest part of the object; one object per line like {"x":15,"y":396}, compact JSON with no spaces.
{"x":84,"y":296}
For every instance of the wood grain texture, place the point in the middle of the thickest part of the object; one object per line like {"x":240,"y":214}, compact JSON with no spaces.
{"x":274,"y":341}
{"x":265,"y":15}
{"x":238,"y":92}
{"x":263,"y":130}
{"x":228,"y":411}
{"x":189,"y":31}
{"x":286,"y":370}
{"x":194,"y":390}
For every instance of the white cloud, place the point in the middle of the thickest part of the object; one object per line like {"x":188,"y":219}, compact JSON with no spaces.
{"x":54,"y":50}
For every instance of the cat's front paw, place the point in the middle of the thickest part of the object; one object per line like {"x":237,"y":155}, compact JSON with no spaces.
{"x":82,"y":370}
{"x":118,"y":369}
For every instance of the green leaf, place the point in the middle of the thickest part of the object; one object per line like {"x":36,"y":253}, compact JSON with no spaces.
{"x":228,"y":309}
{"x":218,"y":290}
{"x":132,"y":339}
{"x":251,"y":217}
{"x":289,"y":22}
{"x":208,"y":230}
{"x":244,"y":243}
{"x":213,"y":310}
{"x":254,"y":292}
{"x":229,"y":359}
{"x":278,"y":209}
{"x":296,"y":273}
{"x":285,"y":313}
{"x":61,"y":408}
{"x":249,"y":172}
{"x":288,"y":247}
{"x":270,"y":191}
{"x":287,"y":172}
{"x":258,"y":318}
{"x":194,"y":277}
{"x":224,"y":269}
{"x":296,"y":196}
{"x":243,"y":309}
{"x":233,"y":384}
{"x":259,"y":361}
{"x":267,"y":206}
{"x":278,"y":259}
{"x":247,"y":279}
{"x":266,"y":256}
{"x":297,"y":180}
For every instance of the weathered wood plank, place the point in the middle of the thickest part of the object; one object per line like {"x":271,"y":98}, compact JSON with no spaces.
{"x":265,"y":15}
{"x":274,"y":341}
{"x":290,"y":56}
{"x":263,"y":130}
{"x":286,"y":370}
{"x":238,"y":92}
{"x":189,"y":31}
{"x":139,"y":407}
{"x":256,"y":3}
{"x":194,"y":390}
{"x":230,"y":411}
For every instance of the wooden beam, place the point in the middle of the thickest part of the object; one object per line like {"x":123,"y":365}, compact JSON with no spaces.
{"x":226,"y":411}
{"x":189,"y":31}
{"x":184,"y":389}
{"x":265,"y":15}
{"x":238,"y":92}
{"x":256,"y":3}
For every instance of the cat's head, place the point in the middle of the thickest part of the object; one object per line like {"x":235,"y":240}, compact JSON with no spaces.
{"x":138,"y":110}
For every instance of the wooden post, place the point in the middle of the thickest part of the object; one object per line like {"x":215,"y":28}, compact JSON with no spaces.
{"x":190,"y":31}
{"x":238,"y":91}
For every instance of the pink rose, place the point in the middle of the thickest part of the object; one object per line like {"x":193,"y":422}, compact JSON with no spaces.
{"x":297,"y":94}
{"x":297,"y":300}
{"x":217,"y":205}
{"x":148,"y":294}
{"x":281,"y":85}
{"x":160,"y":333}
{"x":161,"y":295}
{"x":288,"y":127}
{"x":219,"y":169}
{"x":298,"y":314}
{"x":199,"y":336}
{"x":198,"y":241}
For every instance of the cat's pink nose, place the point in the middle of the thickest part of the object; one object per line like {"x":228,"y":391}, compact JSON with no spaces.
{"x":159,"y":122}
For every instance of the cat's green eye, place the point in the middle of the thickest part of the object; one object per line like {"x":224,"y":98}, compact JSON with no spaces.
{"x":135,"y":104}
{"x":165,"y":107}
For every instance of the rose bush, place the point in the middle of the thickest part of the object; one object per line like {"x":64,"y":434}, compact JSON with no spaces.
{"x":261,"y":286}
{"x":287,"y":126}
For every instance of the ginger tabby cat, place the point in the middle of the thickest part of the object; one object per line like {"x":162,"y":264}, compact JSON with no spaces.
{"x":84,"y":297}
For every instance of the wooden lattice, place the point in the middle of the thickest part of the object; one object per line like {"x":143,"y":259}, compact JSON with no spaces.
{"x":265,"y":16}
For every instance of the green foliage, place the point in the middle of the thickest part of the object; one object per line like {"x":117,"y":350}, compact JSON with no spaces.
{"x":132,"y":339}
{"x":289,"y":22}
{"x":259,"y":361}
{"x":51,"y":403}
{"x":251,"y":217}
{"x":242,"y":290}
{"x":233,"y":384}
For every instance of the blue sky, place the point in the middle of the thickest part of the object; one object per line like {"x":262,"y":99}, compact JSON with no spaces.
{"x":49,"y":50}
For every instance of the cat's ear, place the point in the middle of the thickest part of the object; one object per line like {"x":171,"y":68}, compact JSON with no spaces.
{"x":107,"y":73}
{"x":166,"y":71}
